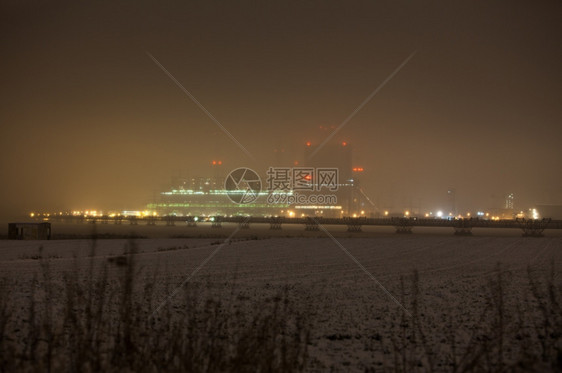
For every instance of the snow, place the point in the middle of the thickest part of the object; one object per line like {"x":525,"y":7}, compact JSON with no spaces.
{"x":352,"y":314}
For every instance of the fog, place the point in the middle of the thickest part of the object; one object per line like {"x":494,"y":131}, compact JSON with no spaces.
{"x":90,"y":121}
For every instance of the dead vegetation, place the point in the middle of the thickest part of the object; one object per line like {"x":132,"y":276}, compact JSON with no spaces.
{"x":111,"y":317}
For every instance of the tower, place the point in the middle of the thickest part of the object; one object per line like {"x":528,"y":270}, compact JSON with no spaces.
{"x":451,"y":197}
{"x":509,"y":201}
{"x":334,"y":155}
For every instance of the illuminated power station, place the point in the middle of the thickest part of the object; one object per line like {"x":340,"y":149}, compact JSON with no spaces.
{"x":206,"y":196}
{"x":329,"y":187}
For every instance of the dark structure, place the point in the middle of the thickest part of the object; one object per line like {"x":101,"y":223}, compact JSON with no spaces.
{"x":29,"y":231}
{"x":333,"y":155}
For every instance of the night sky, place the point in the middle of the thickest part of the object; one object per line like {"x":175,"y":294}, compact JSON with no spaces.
{"x":90,"y":121}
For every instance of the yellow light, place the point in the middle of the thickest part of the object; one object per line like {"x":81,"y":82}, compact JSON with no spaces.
{"x":362,"y":212}
{"x":407,"y":213}
{"x":32,"y":214}
{"x":386,"y":213}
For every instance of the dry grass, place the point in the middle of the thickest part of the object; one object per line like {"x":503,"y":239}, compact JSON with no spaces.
{"x":101,"y":319}
{"x":92,"y":321}
{"x":513,"y":332}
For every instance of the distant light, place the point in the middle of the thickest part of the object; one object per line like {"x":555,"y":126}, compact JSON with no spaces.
{"x":344,"y":143}
{"x":220,"y":162}
{"x":296,"y":163}
{"x":362,"y":212}
{"x":535,"y":214}
{"x":32,"y":214}
{"x":386,"y":213}
{"x":214,"y":162}
{"x":407,"y":213}
{"x":439,"y":213}
{"x":308,"y":143}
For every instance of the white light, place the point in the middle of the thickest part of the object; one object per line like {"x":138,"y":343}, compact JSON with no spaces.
{"x":439,"y":213}
{"x":535,"y":214}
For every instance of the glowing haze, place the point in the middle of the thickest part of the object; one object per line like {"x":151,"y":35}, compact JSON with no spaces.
{"x":90,"y":121}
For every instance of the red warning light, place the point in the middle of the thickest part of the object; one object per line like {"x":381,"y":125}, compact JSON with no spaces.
{"x":219,"y":162}
{"x":308,"y":143}
{"x":296,"y":163}
{"x":308,"y":177}
{"x":357,"y":169}
{"x":214,"y":162}
{"x":344,"y":143}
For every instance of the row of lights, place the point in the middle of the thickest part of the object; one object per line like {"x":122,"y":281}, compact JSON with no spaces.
{"x":480,"y":214}
{"x":92,"y":213}
{"x":343,"y":143}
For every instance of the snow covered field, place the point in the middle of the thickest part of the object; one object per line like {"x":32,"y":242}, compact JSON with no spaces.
{"x":358,"y":322}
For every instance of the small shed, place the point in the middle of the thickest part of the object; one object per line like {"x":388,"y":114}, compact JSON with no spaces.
{"x":29,"y":231}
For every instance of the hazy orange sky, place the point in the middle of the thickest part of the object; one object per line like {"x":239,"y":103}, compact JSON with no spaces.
{"x":89,"y":120}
